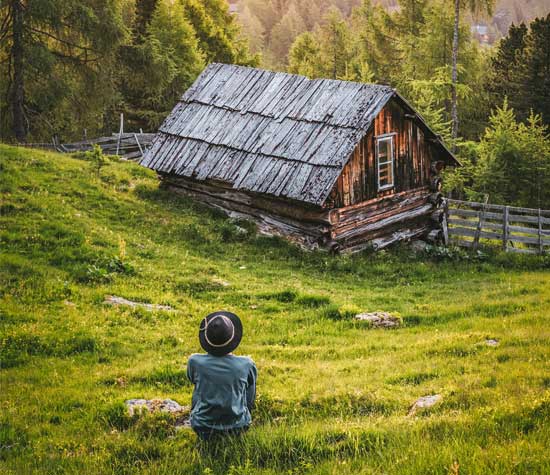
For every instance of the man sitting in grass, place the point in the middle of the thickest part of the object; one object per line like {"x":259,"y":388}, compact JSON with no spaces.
{"x":225,"y":384}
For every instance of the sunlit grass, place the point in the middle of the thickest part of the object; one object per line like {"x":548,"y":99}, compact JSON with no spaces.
{"x":333,"y":394}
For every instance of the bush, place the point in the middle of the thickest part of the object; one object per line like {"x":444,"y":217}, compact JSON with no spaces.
{"x":103,"y":270}
{"x":97,"y":159}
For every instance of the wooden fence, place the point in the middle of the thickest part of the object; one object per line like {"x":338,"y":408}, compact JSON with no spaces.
{"x":129,"y":146}
{"x":514,"y":229}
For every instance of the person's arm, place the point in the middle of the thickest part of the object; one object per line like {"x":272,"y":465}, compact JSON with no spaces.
{"x":251,"y":386}
{"x":190,"y":370}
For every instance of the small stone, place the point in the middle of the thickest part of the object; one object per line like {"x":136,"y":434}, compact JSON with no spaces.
{"x":380,"y":319}
{"x":242,"y":267}
{"x":253,"y":307}
{"x":68,"y":303}
{"x":492,"y":342}
{"x":114,"y":300}
{"x":222,"y":282}
{"x":137,"y":406}
{"x":425,"y":402}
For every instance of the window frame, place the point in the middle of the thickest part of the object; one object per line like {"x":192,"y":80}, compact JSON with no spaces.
{"x":384,"y":138}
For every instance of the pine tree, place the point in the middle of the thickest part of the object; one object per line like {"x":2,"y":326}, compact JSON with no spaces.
{"x":535,"y":71}
{"x":520,"y":70}
{"x":503,"y":81}
{"x":303,"y":56}
{"x":144,"y":13}
{"x":514,"y":160}
{"x":333,"y":36}
{"x":285,"y":31}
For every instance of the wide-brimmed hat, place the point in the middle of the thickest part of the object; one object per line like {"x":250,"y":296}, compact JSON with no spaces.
{"x":220,"y":333}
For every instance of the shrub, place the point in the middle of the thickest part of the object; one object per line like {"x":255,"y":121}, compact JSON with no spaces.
{"x":96,"y":158}
{"x":103,"y":270}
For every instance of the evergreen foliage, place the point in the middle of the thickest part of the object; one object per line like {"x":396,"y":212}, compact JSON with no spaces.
{"x":520,"y":69}
{"x":66,"y":66}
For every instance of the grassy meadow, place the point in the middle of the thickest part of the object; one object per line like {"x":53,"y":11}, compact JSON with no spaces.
{"x":333,"y":393}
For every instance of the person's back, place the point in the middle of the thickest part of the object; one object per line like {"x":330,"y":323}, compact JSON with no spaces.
{"x":225,"y":384}
{"x":224,"y":391}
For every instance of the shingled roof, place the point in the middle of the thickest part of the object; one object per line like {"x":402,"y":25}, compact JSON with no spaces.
{"x":266,"y":132}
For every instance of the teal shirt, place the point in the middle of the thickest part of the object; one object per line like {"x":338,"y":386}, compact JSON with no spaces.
{"x":225,"y":389}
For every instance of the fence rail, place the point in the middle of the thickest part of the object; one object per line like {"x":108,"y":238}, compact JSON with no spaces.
{"x":522,"y":230}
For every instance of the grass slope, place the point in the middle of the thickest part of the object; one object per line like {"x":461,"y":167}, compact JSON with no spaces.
{"x":333,"y":394}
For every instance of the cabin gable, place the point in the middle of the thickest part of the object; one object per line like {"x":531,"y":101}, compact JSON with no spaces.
{"x":412,"y":156}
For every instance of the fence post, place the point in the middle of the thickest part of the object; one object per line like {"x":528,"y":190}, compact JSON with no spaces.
{"x":505,"y":229}
{"x":477,"y":235}
{"x":541,"y":245}
{"x":138,"y":144}
{"x":445,"y":223}
{"x":121,"y":131}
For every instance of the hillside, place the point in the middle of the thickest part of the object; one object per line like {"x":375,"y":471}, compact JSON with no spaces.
{"x":333,"y":394}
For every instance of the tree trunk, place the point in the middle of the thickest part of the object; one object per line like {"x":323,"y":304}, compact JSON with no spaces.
{"x":454,"y":82}
{"x":18,"y":87}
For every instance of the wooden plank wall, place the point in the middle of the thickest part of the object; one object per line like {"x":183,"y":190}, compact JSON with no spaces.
{"x":358,"y":181}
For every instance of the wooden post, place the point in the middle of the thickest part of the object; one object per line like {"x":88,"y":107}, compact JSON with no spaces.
{"x":541,"y":245}
{"x":505,"y":229}
{"x":139,"y":145}
{"x":121,"y":131}
{"x":445,"y":224}
{"x":481,"y":216}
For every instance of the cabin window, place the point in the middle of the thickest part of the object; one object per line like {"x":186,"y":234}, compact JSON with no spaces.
{"x":385,"y":156}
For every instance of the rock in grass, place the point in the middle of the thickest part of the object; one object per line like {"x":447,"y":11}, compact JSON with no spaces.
{"x":380,"y":319}
{"x":114,"y":300}
{"x":424,"y":402}
{"x":418,"y":246}
{"x":492,"y":342}
{"x":181,"y":413}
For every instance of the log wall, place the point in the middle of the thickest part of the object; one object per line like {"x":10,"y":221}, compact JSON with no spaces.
{"x":375,"y":223}
{"x":413,"y":154}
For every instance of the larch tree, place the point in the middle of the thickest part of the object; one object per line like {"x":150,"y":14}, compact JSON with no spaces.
{"x":474,"y":6}
{"x":217,"y":31}
{"x":49,"y":50}
{"x":158,"y":66}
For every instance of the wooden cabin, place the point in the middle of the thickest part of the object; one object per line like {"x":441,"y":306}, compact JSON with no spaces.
{"x":326,"y":163}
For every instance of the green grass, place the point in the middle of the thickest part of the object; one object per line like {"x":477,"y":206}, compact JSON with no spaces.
{"x":333,"y":394}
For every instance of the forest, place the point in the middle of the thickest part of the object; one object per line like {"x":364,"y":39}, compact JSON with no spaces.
{"x":74,"y":66}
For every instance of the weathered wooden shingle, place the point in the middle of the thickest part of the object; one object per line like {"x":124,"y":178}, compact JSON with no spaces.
{"x":266,"y":132}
